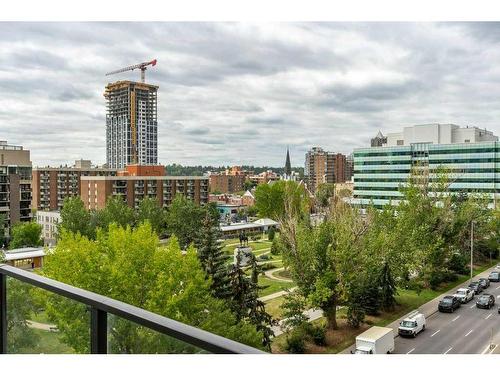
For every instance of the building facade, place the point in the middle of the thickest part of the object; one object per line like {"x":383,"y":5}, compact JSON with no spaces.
{"x":133,"y":187}
{"x":49,"y":220}
{"x":131,"y":124}
{"x":51,"y":185}
{"x":471,"y":156}
{"x":226,"y":184}
{"x":15,"y":184}
{"x":323,"y":167}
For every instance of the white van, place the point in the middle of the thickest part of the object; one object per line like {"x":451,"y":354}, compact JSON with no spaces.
{"x":412,"y":325}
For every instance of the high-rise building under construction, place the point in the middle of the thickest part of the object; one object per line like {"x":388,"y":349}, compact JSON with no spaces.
{"x":131,"y":124}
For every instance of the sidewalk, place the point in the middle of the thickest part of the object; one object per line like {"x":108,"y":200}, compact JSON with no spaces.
{"x":428,"y":308}
{"x":276,"y":295}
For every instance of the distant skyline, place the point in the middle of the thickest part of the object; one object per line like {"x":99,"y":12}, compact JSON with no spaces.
{"x":239,"y":93}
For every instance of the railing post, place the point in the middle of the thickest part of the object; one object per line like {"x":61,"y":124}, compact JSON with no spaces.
{"x":98,"y":331}
{"x":3,"y":314}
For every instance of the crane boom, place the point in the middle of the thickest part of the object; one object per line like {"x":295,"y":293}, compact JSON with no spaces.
{"x":142,"y":66}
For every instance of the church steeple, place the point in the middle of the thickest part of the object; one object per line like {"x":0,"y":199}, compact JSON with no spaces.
{"x":288,"y":165}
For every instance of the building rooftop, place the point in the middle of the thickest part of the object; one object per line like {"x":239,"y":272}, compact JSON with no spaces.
{"x":23,"y":253}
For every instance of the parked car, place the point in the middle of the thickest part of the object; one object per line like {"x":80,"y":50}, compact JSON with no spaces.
{"x":412,"y":325}
{"x":448,"y":303}
{"x":485,"y":283}
{"x":464,"y":295}
{"x":494,"y":276}
{"x":486,"y":301}
{"x":476,"y":287}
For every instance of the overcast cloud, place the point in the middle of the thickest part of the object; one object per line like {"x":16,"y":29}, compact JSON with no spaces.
{"x":240,"y":93}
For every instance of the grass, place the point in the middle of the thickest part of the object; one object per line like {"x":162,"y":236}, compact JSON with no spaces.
{"x":273,"y":286}
{"x":49,"y":343}
{"x":407,"y":300}
{"x":273,"y":307}
{"x":284,"y":274}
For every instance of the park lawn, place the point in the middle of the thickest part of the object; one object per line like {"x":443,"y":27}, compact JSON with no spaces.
{"x":273,"y":307}
{"x":407,"y":300}
{"x":272,"y":286}
{"x":50,"y":343}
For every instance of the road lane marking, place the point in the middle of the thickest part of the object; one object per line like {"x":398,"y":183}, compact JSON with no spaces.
{"x":487,"y":317}
{"x":498,"y":287}
{"x":410,"y":351}
{"x":455,"y":319}
{"x":498,"y":296}
{"x":468,"y":333}
{"x":448,"y":350}
{"x":435,"y":332}
{"x":473,"y":306}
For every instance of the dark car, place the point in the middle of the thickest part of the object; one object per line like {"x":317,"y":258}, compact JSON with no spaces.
{"x":486,"y":301}
{"x":448,"y":304}
{"x":494,"y":276}
{"x":476,"y":287}
{"x":485,"y":283}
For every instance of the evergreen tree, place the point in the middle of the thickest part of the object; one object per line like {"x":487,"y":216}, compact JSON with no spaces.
{"x":245,"y":300}
{"x":387,"y":288}
{"x":212,"y":258}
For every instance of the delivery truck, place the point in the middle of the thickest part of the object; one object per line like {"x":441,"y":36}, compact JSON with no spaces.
{"x":376,"y":340}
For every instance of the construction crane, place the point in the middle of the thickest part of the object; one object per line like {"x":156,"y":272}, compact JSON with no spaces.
{"x":142,"y":66}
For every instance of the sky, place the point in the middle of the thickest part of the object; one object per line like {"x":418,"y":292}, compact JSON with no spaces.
{"x":241,"y":93}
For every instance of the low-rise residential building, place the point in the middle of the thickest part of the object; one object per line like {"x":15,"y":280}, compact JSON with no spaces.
{"x":15,"y":184}
{"x":264,"y":177}
{"x":26,"y":258}
{"x":226,"y":184}
{"x":49,"y":220}
{"x":137,"y":182}
{"x":51,"y":185}
{"x":470,"y":156}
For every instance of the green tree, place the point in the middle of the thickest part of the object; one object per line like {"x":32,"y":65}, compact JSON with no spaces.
{"x":325,"y":260}
{"x":274,"y":200}
{"x":212,"y":258}
{"x":128,"y":265}
{"x":184,"y":220}
{"x":75,"y":218}
{"x":387,"y":288}
{"x":150,"y":210}
{"x":116,"y":211}
{"x":26,"y":234}
{"x":21,"y":305}
{"x":324,"y":194}
{"x":2,"y":230}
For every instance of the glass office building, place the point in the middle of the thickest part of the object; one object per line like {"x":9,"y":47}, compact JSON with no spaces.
{"x":379,"y":172}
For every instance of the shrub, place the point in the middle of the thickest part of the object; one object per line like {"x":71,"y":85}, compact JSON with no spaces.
{"x":295,"y":342}
{"x":316,"y":333}
{"x":275,"y":247}
{"x":267,"y":266}
{"x":264,"y":257}
{"x":271,"y":233}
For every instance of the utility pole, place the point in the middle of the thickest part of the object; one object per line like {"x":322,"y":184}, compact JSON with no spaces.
{"x":471,"y":247}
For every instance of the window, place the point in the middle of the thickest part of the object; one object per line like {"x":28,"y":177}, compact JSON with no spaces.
{"x":400,"y":142}
{"x":467,"y":141}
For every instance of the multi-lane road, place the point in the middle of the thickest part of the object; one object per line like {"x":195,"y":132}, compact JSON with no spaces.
{"x":468,"y":330}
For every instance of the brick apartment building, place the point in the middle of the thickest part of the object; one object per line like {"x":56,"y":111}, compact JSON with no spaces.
{"x":15,"y":184}
{"x":51,"y":185}
{"x":324,"y":167}
{"x":138,"y":182}
{"x":230,"y":181}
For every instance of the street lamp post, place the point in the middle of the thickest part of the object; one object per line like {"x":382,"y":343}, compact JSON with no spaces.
{"x":471,"y":247}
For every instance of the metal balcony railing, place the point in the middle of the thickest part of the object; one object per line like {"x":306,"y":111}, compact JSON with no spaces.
{"x":100,"y":306}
